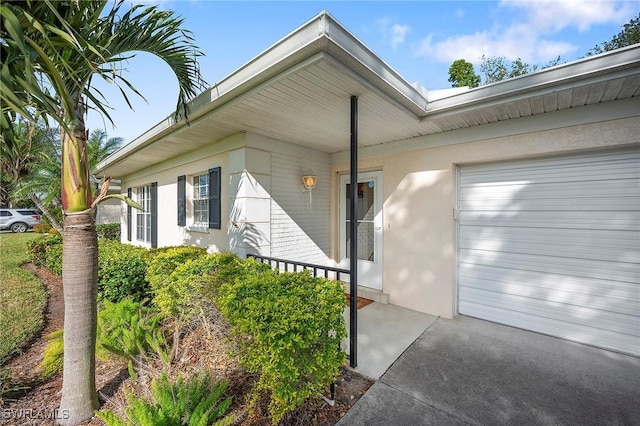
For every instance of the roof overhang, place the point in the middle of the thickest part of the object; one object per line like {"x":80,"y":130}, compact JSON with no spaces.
{"x":298,"y":91}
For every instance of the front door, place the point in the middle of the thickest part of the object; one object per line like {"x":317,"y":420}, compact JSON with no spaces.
{"x":369,"y":222}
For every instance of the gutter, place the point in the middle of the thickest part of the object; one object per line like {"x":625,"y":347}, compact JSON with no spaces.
{"x":595,"y":68}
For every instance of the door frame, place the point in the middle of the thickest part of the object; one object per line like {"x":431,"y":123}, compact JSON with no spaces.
{"x":369,"y":273}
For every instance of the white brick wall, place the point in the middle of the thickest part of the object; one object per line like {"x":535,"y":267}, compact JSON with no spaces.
{"x":299,"y":230}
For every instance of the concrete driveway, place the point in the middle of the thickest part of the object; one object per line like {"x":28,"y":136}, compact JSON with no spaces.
{"x":468,"y":371}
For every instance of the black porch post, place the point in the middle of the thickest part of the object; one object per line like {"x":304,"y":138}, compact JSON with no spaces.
{"x":353,"y":238}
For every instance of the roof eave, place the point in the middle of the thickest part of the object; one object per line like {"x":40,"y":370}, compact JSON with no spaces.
{"x":321,"y":34}
{"x":589,"y":69}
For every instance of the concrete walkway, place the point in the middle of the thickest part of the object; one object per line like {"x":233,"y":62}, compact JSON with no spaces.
{"x":384,"y":333}
{"x":468,"y":371}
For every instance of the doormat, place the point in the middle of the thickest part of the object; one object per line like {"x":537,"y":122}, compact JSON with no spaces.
{"x":362,"y":302}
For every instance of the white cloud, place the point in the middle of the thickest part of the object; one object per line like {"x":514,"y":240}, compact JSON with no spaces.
{"x":395,"y":34}
{"x":425,"y":48}
{"x":549,"y":15}
{"x":459,"y":13}
{"x":398,"y":34}
{"x":528,"y":30}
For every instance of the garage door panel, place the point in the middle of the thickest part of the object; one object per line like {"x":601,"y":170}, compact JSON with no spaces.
{"x":587,"y":317}
{"x":569,"y":173}
{"x":556,"y":288}
{"x":582,"y":248}
{"x":555,"y":170}
{"x":603,"y":238}
{"x":557,"y":328}
{"x":553,"y":245}
{"x":604,"y":220}
{"x":628,"y":291}
{"x":618,"y":271}
{"x":606,"y":188}
{"x":495,"y":205}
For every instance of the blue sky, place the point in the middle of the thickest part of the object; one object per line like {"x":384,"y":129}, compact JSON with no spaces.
{"x":419,"y":39}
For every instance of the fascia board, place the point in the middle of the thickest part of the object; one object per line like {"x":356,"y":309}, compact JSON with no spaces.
{"x":592,"y":69}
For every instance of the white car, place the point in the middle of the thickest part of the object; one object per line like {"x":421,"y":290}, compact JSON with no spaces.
{"x":19,"y":220}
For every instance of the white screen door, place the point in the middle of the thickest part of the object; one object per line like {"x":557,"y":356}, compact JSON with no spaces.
{"x":369,"y":224}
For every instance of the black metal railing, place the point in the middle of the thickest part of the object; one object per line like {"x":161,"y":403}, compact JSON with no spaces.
{"x":296,"y":266}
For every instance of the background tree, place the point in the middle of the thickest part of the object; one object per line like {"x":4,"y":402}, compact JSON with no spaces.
{"x":461,"y":73}
{"x":19,"y":153}
{"x":50,"y":52}
{"x":497,"y":68}
{"x":629,"y":35}
{"x":100,"y":146}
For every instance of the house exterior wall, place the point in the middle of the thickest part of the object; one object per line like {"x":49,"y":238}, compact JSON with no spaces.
{"x":419,"y":270}
{"x":166,"y":174}
{"x":264,"y":208}
{"x":249,"y":201}
{"x":300,"y":226}
{"x":266,"y":211}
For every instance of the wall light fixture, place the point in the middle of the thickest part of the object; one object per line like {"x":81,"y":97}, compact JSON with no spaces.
{"x":309,"y":182}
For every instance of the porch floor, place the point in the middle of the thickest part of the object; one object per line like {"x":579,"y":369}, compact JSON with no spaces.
{"x":384,"y":332}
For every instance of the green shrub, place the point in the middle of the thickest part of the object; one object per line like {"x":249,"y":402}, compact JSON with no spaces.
{"x":165,"y":260}
{"x":178,"y":278}
{"x":129,"y":330}
{"x":197,"y":402}
{"x":288,"y":327}
{"x":41,"y":228}
{"x":109,"y":231}
{"x":121,"y":271}
{"x":38,"y":247}
{"x":52,"y":356}
{"x":54,"y":258}
{"x":125,"y":329}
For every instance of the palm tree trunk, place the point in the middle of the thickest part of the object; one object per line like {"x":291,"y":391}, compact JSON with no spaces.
{"x":79,"y":280}
{"x":46,"y":212}
{"x":80,"y":250}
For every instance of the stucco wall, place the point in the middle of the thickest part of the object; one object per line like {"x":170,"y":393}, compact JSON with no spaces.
{"x":419,"y":270}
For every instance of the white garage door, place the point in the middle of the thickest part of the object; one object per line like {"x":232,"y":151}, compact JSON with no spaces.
{"x":553,"y":245}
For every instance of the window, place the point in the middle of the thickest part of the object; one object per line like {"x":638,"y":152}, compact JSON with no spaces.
{"x":201,"y":200}
{"x":205,"y":196}
{"x":143,"y":218}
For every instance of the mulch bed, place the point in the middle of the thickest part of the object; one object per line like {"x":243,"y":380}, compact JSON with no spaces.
{"x":200,"y":348}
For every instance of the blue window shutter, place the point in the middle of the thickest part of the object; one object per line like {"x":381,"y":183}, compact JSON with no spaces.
{"x":182,"y":200}
{"x":154,"y":214}
{"x":214,"y":198}
{"x":129,"y":224}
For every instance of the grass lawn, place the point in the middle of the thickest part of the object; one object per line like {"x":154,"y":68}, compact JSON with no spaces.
{"x":22,"y":296}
